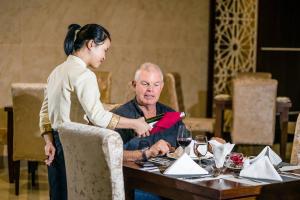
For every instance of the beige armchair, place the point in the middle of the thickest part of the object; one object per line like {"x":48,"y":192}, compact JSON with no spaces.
{"x":105,"y":85}
{"x":28,"y":144}
{"x":225,"y":102}
{"x":173,"y":97}
{"x":94,"y":159}
{"x":296,"y":143}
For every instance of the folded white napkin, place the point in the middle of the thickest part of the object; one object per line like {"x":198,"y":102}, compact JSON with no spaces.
{"x":262,"y":168}
{"x":220,"y":151}
{"x":189,"y":150}
{"x":267,"y":151}
{"x":185,"y":165}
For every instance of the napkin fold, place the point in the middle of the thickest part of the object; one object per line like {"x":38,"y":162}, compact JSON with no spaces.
{"x":220,"y":151}
{"x":184,"y":166}
{"x":189,"y":150}
{"x":267,"y":151}
{"x":262,"y":168}
{"x":167,"y":121}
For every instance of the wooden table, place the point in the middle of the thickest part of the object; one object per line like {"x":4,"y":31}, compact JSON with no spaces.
{"x":282,"y":108}
{"x":173,"y":188}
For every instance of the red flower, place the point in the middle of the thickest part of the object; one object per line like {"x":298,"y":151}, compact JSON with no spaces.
{"x":237,"y":158}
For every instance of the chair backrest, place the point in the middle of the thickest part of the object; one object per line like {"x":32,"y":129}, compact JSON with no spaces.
{"x":254,"y":109}
{"x":171,"y":94}
{"x":27,"y":100}
{"x":105,"y":85}
{"x":296,"y":143}
{"x":266,"y":75}
{"x":94,"y":160}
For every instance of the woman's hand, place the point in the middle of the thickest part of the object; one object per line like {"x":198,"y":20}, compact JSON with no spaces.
{"x":141,"y":127}
{"x":49,"y":152}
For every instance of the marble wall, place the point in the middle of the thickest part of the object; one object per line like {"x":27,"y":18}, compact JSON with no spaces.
{"x":170,"y":33}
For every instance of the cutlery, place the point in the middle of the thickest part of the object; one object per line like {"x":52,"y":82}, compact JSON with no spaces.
{"x":250,"y":179}
{"x":192,"y":176}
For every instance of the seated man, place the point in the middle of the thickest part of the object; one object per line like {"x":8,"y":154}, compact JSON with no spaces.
{"x":148,"y":84}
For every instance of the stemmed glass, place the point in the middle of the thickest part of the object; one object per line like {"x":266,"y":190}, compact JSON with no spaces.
{"x":200,"y":146}
{"x":184,"y":136}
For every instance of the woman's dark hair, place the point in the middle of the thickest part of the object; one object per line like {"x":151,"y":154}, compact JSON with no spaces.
{"x":77,"y":36}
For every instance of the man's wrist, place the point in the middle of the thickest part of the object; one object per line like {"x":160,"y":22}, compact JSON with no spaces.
{"x":145,"y":154}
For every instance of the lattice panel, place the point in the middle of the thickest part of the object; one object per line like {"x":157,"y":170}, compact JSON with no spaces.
{"x":235,"y":40}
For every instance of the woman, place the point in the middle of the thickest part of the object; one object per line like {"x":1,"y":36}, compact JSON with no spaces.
{"x":85,"y":46}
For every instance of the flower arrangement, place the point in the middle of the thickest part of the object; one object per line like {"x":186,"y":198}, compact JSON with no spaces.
{"x":235,"y":160}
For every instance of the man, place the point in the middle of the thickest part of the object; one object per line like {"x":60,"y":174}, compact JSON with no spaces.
{"x":148,"y":83}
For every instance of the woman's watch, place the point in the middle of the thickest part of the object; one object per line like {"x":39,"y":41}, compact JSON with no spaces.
{"x":144,"y":156}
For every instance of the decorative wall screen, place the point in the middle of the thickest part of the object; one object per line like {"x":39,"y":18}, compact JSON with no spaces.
{"x":235,"y":40}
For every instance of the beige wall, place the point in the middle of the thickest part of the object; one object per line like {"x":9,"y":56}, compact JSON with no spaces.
{"x":170,"y":33}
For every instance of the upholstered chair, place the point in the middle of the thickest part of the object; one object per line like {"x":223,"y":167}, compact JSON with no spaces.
{"x":105,"y":85}
{"x":254,"y":109}
{"x":173,"y":97}
{"x":93,"y":158}
{"x":171,"y":94}
{"x":258,"y":75}
{"x":296,"y":143}
{"x":28,"y":144}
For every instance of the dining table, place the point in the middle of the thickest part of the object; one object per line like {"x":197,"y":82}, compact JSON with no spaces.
{"x":224,"y":186}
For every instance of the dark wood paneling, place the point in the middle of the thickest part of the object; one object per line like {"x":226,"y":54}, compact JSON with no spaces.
{"x":279,"y":27}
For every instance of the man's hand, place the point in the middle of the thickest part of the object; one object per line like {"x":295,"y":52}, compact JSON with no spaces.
{"x":141,"y":127}
{"x":161,"y":147}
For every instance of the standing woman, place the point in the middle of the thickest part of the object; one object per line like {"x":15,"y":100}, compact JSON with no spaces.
{"x":85,"y":46}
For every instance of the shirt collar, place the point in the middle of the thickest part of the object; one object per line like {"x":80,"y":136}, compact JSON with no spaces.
{"x":158,"y":108}
{"x":77,"y":60}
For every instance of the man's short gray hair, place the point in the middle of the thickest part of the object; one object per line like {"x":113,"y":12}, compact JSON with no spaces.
{"x":148,"y":67}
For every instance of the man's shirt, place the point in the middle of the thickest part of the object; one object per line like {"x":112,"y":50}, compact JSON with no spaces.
{"x":132,"y":110}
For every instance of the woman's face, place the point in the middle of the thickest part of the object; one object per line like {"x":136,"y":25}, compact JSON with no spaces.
{"x":98,"y":51}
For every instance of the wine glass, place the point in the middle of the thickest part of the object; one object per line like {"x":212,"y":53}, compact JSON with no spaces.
{"x":200,"y":146}
{"x":184,"y":136}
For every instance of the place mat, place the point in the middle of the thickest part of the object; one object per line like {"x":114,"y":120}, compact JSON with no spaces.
{"x":289,"y":168}
{"x":161,"y":161}
{"x":206,"y":178}
{"x":243,"y":180}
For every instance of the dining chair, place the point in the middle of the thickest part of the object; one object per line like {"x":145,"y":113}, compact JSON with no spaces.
{"x":296,"y":144}
{"x":254,"y":110}
{"x":94,"y":162}
{"x":105,"y":85}
{"x":28,"y":144}
{"x":172,"y":96}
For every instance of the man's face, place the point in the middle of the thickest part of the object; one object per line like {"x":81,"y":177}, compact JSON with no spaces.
{"x":148,"y":87}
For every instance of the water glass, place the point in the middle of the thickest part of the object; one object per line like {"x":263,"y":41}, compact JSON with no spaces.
{"x":200,"y":146}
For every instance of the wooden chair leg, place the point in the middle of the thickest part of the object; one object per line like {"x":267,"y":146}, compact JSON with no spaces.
{"x":32,"y":167}
{"x":17,"y":176}
{"x":10,"y":130}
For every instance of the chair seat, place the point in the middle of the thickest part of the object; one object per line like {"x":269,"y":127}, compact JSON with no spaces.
{"x":200,"y":124}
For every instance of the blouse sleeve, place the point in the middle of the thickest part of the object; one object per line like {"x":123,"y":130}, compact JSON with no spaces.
{"x":45,"y":124}
{"x":88,"y":94}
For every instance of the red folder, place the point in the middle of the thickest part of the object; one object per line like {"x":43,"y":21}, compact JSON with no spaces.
{"x":167,"y":121}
